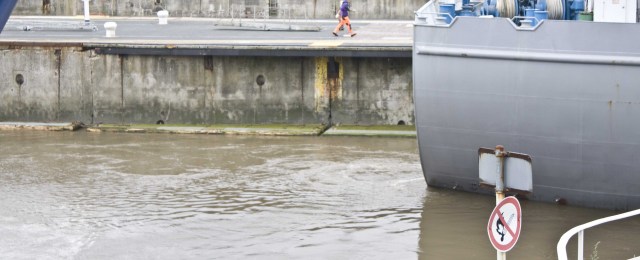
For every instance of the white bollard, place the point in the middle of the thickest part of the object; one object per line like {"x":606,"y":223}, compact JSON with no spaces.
{"x":110,"y":27}
{"x":163,"y":16}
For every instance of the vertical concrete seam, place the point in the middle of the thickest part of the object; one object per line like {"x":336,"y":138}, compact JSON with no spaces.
{"x":58,"y":53}
{"x":329,"y":86}
{"x":93,"y":105}
{"x":302,"y":60}
{"x":214,"y":88}
{"x":121,"y":57}
{"x":385,"y":98}
{"x":357,"y":60}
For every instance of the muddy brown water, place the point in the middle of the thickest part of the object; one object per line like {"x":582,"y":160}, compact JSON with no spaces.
{"x":79,"y":195}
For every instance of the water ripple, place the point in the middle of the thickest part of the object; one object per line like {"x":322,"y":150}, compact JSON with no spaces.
{"x":138,"y":196}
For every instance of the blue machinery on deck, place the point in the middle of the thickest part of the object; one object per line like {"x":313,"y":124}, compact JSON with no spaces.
{"x":520,"y":9}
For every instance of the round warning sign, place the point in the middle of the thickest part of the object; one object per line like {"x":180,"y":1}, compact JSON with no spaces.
{"x":504,"y":224}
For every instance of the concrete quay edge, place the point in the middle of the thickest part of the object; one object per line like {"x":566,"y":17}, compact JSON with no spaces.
{"x":10,"y":126}
{"x":228,"y":129}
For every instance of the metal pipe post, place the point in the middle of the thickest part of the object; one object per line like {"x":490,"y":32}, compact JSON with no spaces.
{"x":500,"y":186}
{"x":500,"y":173}
{"x":581,"y":245}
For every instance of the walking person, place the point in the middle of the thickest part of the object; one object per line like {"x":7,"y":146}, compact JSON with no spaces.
{"x":344,"y":19}
{"x":338,"y":16}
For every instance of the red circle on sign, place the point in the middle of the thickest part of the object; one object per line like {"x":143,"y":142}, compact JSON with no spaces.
{"x":508,"y":202}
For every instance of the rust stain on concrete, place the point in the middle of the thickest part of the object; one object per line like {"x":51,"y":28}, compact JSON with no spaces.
{"x":326,"y":88}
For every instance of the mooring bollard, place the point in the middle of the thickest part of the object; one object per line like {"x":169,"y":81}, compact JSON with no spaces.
{"x":163,"y":16}
{"x":110,"y":27}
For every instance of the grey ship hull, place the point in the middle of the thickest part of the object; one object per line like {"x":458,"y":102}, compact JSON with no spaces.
{"x":566,"y":93}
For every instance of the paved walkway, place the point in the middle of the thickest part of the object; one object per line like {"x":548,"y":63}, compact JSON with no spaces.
{"x":206,"y":31}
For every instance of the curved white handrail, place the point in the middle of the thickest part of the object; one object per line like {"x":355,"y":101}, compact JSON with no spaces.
{"x":562,"y":244}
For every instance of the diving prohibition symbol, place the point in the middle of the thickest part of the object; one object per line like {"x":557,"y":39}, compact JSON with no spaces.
{"x":504,"y":224}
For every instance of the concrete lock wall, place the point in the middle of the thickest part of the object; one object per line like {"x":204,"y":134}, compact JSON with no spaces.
{"x":71,"y":84}
{"x":295,"y":9}
{"x":42,"y":84}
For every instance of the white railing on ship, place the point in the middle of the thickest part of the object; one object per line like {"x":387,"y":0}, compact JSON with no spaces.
{"x":562,"y":244}
{"x":425,"y":12}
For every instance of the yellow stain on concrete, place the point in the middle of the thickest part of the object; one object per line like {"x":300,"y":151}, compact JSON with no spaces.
{"x":326,"y":89}
{"x":320,"y":83}
{"x":325,"y":44}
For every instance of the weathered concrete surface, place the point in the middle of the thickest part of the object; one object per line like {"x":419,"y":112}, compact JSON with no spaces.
{"x":386,"y":131}
{"x":69,"y":84}
{"x":298,"y":9}
{"x":269,"y":130}
{"x":8,"y":126}
{"x":177,"y":74}
{"x":42,"y":84}
{"x":375,"y":90}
